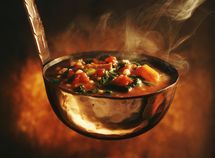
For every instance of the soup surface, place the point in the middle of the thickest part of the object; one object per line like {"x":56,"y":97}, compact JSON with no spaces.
{"x":106,"y":76}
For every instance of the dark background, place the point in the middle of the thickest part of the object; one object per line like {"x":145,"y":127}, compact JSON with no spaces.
{"x":17,"y":45}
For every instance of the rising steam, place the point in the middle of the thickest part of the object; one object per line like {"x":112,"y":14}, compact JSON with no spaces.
{"x":159,"y":28}
{"x":182,"y":9}
{"x":162,"y":28}
{"x":156,"y":29}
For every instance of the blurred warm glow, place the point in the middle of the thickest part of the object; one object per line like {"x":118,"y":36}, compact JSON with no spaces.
{"x":181,"y":133}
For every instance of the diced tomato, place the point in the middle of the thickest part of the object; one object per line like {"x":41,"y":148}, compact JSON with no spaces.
{"x":84,"y":78}
{"x":122,"y":80}
{"x":78,"y":64}
{"x":88,"y":86}
{"x":147,"y":73}
{"x":70,"y":72}
{"x":111,"y":59}
{"x":80,"y":78}
{"x":100,"y":72}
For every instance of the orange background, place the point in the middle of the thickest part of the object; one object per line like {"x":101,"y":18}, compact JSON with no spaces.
{"x":29,"y":127}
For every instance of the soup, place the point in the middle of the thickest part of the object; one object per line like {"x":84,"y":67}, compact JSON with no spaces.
{"x":107,"y":76}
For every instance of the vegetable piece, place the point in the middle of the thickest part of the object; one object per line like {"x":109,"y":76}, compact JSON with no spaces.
{"x":108,"y":91}
{"x":126,"y":66}
{"x":80,"y":78}
{"x":122,"y":80}
{"x":79,"y":64}
{"x":88,"y":86}
{"x":108,"y":77}
{"x":111,"y":59}
{"x":90,"y":71}
{"x":105,"y":91}
{"x":100,"y":72}
{"x":105,"y":79}
{"x":70,"y":73}
{"x":126,"y":70}
{"x":136,"y":82}
{"x":112,"y":74}
{"x":80,"y":89}
{"x":148,"y":73}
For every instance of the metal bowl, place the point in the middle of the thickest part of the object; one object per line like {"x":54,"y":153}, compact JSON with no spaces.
{"x":106,"y":117}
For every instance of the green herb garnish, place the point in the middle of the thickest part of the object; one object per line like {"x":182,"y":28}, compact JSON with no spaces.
{"x":120,"y":65}
{"x":136,"y":82}
{"x":80,"y":90}
{"x":94,"y":91}
{"x":109,"y":76}
{"x":108,"y":91}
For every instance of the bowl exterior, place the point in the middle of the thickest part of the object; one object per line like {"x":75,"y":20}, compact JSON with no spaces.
{"x":107,"y":118}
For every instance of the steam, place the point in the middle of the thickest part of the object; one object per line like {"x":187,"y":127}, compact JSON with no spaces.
{"x":161,"y":25}
{"x":158,"y":29}
{"x":182,"y":9}
{"x":162,"y":28}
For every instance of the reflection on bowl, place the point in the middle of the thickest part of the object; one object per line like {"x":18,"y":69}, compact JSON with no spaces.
{"x":106,"y":117}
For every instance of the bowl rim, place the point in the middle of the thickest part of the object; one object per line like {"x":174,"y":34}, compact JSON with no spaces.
{"x":84,"y":53}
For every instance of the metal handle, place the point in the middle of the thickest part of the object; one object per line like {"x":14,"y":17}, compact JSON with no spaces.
{"x":38,"y":30}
